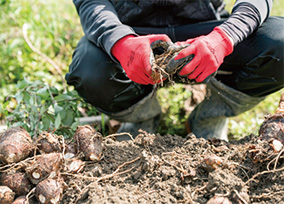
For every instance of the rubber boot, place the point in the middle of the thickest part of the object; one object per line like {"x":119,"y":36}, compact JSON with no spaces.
{"x":143,"y":115}
{"x":210,"y":118}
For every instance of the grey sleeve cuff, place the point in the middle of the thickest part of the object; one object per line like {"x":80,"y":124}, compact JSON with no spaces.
{"x":111,"y":36}
{"x":263,"y":7}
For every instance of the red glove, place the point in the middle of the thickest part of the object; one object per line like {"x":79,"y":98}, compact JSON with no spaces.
{"x":209,"y":52}
{"x":135,"y":56}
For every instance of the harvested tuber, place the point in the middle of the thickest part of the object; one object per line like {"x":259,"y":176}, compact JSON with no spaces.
{"x":6,"y":195}
{"x":21,"y":200}
{"x":88,"y":141}
{"x":74,"y":165}
{"x":44,"y":166}
{"x":219,"y":200}
{"x":15,"y":145}
{"x":18,"y":182}
{"x":273,"y":125}
{"x":48,"y":143}
{"x":70,"y":151}
{"x":212,"y":162}
{"x":49,"y":191}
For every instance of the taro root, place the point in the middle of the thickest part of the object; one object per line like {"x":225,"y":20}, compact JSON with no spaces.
{"x":44,"y":166}
{"x":88,"y":141}
{"x":212,"y":162}
{"x":273,"y":125}
{"x":48,"y":143}
{"x":70,"y":151}
{"x":6,"y":195}
{"x":20,"y":200}
{"x":15,"y":145}
{"x":219,"y":200}
{"x":276,"y":145}
{"x":75,"y":165}
{"x":18,"y":182}
{"x":49,"y":191}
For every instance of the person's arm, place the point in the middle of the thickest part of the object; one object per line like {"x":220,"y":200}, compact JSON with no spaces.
{"x":102,"y":26}
{"x":100,"y":23}
{"x":246,"y":17}
{"x":210,"y":50}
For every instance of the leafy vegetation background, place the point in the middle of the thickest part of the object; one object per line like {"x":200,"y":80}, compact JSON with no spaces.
{"x":37,"y":39}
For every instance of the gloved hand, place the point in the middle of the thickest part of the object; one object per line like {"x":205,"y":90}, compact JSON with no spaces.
{"x":135,"y":56}
{"x":208,"y":54}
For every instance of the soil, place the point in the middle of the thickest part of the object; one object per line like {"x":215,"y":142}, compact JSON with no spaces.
{"x":155,"y":168}
{"x":172,"y":169}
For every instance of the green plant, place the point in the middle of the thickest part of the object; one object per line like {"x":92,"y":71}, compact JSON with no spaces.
{"x":172,"y":101}
{"x":51,"y":28}
{"x":39,"y":107}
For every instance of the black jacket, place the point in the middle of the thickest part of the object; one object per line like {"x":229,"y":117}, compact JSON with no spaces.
{"x":159,"y":13}
{"x":106,"y":21}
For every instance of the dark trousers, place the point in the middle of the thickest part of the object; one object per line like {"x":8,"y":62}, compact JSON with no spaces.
{"x":255,"y":67}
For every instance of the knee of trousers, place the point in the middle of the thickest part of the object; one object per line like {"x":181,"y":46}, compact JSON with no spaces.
{"x":102,"y":82}
{"x":264,"y":73}
{"x":272,"y":62}
{"x":222,"y":102}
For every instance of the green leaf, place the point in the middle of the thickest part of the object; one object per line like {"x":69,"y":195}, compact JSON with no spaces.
{"x":22,"y":84}
{"x":43,"y":93}
{"x":58,"y":108}
{"x":26,"y":97}
{"x":46,"y":122}
{"x":57,"y":122}
{"x":54,"y":90}
{"x":69,"y":118}
{"x":19,"y":97}
{"x":63,"y":97}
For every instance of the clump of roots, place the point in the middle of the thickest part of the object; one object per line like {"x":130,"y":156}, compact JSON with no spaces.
{"x":159,"y":66}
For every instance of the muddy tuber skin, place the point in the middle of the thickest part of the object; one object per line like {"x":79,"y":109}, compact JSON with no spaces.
{"x":49,"y":191}
{"x":88,"y":141}
{"x":48,"y":143}
{"x":273,"y":125}
{"x":44,"y":166}
{"x":219,"y":200}
{"x":6,"y":195}
{"x":21,"y":200}
{"x":15,"y":145}
{"x":18,"y":182}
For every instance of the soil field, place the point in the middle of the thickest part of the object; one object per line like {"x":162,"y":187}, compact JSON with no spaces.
{"x":172,"y":169}
{"x":148,"y":169}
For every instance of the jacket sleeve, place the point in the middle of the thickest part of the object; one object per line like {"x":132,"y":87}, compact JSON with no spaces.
{"x":246,"y":17}
{"x":100,"y":23}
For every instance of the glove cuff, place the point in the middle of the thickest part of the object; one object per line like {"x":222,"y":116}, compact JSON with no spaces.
{"x":118,"y":47}
{"x":225,"y":40}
